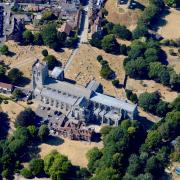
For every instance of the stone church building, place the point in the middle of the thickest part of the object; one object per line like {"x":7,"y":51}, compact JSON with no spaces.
{"x":78,"y":102}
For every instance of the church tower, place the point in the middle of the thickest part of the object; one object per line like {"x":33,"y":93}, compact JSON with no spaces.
{"x":39,"y":74}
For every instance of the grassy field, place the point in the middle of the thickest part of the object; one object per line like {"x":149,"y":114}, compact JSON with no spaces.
{"x":23,"y":57}
{"x":169,"y":25}
{"x":75,"y":150}
{"x":121,"y":14}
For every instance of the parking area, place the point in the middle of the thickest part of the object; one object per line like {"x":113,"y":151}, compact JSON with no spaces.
{"x":48,"y":114}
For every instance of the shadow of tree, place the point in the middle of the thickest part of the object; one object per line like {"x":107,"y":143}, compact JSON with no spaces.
{"x":160,"y":21}
{"x":23,"y":81}
{"x":11,"y":54}
{"x":4,"y":125}
{"x":146,"y":123}
{"x":54,"y":141}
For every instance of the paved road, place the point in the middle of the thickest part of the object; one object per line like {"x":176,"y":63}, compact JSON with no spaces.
{"x":83,"y":35}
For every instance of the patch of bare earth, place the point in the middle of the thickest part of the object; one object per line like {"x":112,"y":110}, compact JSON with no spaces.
{"x":75,"y":150}
{"x":173,"y":61}
{"x":85,"y":67}
{"x":141,"y":86}
{"x":171,"y":28}
{"x":12,"y":109}
{"x":24,"y":56}
{"x":121,"y":14}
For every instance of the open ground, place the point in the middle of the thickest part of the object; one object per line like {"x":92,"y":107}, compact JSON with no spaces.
{"x":121,"y":14}
{"x":24,"y":56}
{"x":169,"y":25}
{"x":75,"y":150}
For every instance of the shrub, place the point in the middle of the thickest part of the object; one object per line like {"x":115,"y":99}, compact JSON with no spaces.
{"x":104,"y":62}
{"x":4,"y":50}
{"x":171,"y":52}
{"x":43,"y":132}
{"x":25,"y":172}
{"x":99,"y":58}
{"x":44,"y":52}
{"x":37,"y":167}
{"x":106,"y":72}
{"x":115,"y":82}
{"x":51,"y":61}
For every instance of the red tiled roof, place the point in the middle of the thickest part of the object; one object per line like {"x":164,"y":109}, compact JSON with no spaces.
{"x":5,"y":85}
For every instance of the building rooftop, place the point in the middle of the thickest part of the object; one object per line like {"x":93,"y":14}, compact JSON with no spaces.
{"x":58,"y":96}
{"x":68,"y":88}
{"x":93,"y":85}
{"x":56,"y":72}
{"x":113,"y":102}
{"x":5,"y":85}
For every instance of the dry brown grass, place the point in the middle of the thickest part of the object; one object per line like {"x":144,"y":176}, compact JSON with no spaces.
{"x":75,"y":150}
{"x":141,"y":86}
{"x":12,"y":109}
{"x":25,"y":56}
{"x":85,"y":67}
{"x":171,"y":30}
{"x":173,"y":61}
{"x":121,"y":15}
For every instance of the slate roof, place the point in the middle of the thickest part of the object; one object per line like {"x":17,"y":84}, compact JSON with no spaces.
{"x":113,"y":102}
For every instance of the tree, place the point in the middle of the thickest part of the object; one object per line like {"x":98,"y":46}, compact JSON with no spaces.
{"x":136,"y":68}
{"x":48,"y":16}
{"x":26,"y":118}
{"x":5,"y":173}
{"x":36,"y":167}
{"x":99,"y":58}
{"x":43,"y":132}
{"x":4,"y":126}
{"x":51,"y":61}
{"x":37,"y":39}
{"x":137,"y":50}
{"x":17,"y":93}
{"x":149,"y":101}
{"x":122,"y":32}
{"x":49,"y":35}
{"x":32,"y":131}
{"x":15,"y":75}
{"x":162,"y":108}
{"x":25,"y":172}
{"x":153,"y":141}
{"x":96,"y":40}
{"x":106,"y":72}
{"x":171,"y":3}
{"x":83,"y":173}
{"x":4,"y":50}
{"x":176,"y":104}
{"x":44,"y":52}
{"x":115,"y":82}
{"x":134,"y":167}
{"x":123,"y":49}
{"x":106,"y":174}
{"x":110,"y":45}
{"x":28,"y":36}
{"x":57,"y":166}
{"x":109,"y":28}
{"x":140,"y":31}
{"x":2,"y":71}
{"x":105,"y":130}
{"x":93,"y":156}
{"x":62,"y":36}
{"x":72,"y":42}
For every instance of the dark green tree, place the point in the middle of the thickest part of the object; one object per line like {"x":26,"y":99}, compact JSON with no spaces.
{"x":15,"y":75}
{"x":26,"y":118}
{"x":36,"y":167}
{"x":43,"y":132}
